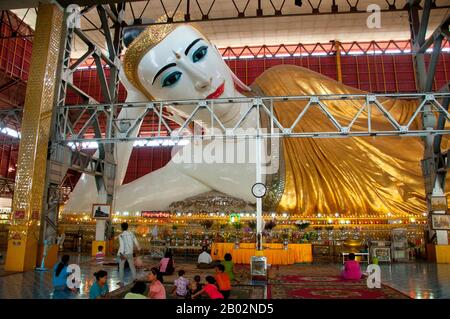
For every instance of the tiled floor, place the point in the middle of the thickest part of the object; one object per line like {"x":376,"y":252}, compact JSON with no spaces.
{"x":38,"y":285}
{"x":418,"y":280}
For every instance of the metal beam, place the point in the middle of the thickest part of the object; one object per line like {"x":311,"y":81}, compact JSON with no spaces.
{"x":323,"y":103}
{"x":213,"y":10}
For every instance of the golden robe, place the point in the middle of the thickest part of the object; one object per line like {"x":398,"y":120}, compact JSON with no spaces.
{"x":362,"y":176}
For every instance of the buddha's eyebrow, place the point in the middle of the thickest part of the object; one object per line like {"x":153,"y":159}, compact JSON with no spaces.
{"x":191,"y":45}
{"x":162,"y":70}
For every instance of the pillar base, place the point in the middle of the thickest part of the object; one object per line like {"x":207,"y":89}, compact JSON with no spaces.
{"x":21,"y":254}
{"x":443,"y":254}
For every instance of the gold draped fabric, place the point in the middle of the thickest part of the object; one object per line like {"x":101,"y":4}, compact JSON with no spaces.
{"x":369,"y":176}
{"x":276,"y":255}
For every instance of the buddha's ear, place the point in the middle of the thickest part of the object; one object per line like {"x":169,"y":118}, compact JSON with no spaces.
{"x":129,"y":34}
{"x":238,"y":84}
{"x":133,"y":94}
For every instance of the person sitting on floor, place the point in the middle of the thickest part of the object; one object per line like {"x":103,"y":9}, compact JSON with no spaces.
{"x":205,"y":260}
{"x":100,"y":288}
{"x":210,"y":289}
{"x":352,"y":269}
{"x":223,"y":281}
{"x":194,"y":287}
{"x":167,"y":264}
{"x":100,"y":255}
{"x":60,"y":274}
{"x":137,"y":292}
{"x":181,"y":285}
{"x":156,"y":289}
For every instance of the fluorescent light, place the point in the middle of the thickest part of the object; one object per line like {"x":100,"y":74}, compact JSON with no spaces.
{"x":282,"y":55}
{"x":393,"y":51}
{"x":355,"y":53}
{"x":10,"y":132}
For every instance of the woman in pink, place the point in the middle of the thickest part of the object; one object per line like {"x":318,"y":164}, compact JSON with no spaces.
{"x":352,"y":270}
{"x":210,"y":289}
{"x":156,"y":289}
{"x":167,"y":265}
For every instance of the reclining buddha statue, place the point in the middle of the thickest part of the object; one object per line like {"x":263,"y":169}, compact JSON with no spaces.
{"x":359,"y":175}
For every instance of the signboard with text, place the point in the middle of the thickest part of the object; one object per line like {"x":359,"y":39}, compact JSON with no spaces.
{"x":155,"y":214}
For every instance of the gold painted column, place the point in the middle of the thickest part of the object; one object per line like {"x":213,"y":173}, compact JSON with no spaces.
{"x":337,"y":46}
{"x":35,"y":134}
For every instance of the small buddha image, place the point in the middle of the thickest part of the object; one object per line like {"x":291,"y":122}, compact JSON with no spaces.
{"x":101,"y":211}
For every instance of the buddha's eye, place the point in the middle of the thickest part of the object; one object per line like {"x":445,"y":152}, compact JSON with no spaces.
{"x":171,"y":79}
{"x":199,"y":54}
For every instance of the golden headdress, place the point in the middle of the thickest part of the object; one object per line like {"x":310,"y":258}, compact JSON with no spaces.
{"x":144,"y":42}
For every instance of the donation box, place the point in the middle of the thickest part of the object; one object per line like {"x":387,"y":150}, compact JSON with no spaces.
{"x":258,"y":267}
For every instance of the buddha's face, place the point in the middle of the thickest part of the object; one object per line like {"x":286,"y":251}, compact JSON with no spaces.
{"x":185,"y":65}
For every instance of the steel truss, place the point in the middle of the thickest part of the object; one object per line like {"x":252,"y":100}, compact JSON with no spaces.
{"x":194,"y":11}
{"x":434,"y":164}
{"x":11,"y":118}
{"x":312,"y":49}
{"x":6,"y":187}
{"x":363,"y":106}
{"x":63,"y":158}
{"x":16,"y":25}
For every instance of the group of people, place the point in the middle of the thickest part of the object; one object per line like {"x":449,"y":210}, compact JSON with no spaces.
{"x":100,"y":288}
{"x":216,"y":287}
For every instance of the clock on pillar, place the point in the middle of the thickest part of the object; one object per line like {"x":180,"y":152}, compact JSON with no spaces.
{"x":259,"y":190}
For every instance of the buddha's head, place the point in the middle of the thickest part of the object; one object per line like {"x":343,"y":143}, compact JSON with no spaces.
{"x":176,"y":62}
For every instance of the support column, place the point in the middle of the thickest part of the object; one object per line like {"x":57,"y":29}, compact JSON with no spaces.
{"x":337,"y":46}
{"x":35,"y":134}
{"x":259,"y":219}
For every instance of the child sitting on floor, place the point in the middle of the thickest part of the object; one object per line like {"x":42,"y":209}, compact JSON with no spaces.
{"x":194,"y":287}
{"x":209,"y":289}
{"x":181,"y":285}
{"x":100,"y":255}
{"x":223,"y":281}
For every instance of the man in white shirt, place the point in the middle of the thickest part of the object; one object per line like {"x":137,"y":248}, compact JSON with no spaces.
{"x":125,"y":253}
{"x":205,"y":260}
